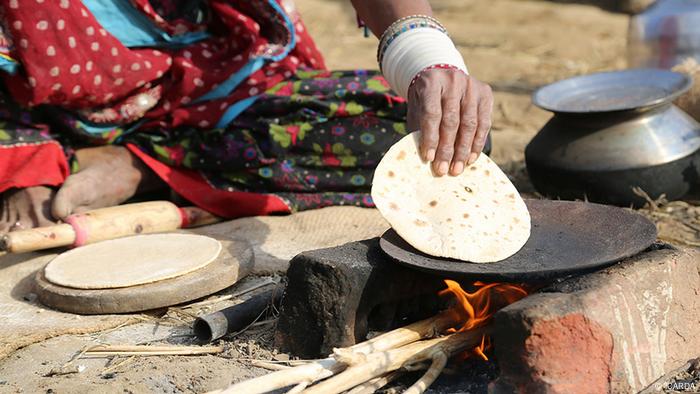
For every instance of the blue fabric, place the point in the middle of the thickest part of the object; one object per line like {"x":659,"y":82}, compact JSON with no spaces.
{"x":8,"y":66}
{"x":233,"y":111}
{"x":99,"y":129}
{"x":230,"y":84}
{"x":96,"y":129}
{"x":132,"y":28}
{"x":255,"y":64}
{"x":290,"y":27}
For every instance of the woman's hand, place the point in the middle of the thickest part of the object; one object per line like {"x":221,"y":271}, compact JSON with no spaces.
{"x":453,"y":112}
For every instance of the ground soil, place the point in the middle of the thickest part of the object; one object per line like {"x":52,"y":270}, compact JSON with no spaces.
{"x":515,"y":45}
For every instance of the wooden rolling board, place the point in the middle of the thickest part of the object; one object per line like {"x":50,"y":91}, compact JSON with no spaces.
{"x":234,"y":262}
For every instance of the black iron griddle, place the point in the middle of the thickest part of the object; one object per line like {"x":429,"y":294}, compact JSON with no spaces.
{"x":567,"y":237}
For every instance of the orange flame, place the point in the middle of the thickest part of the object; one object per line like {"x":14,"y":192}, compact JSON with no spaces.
{"x":477,"y":308}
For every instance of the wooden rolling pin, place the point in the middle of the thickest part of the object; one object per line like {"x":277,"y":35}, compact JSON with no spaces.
{"x":107,"y":223}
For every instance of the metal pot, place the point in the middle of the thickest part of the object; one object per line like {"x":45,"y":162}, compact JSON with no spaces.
{"x":611,"y":132}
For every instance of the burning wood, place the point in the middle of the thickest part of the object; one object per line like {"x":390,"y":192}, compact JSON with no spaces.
{"x":369,"y":365}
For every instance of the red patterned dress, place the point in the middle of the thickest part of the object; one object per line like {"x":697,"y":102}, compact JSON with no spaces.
{"x":227,"y":101}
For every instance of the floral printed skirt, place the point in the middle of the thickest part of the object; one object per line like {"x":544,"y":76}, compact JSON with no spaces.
{"x":311,"y":141}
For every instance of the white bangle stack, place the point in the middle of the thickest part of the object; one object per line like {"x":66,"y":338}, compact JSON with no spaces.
{"x":413,"y":44}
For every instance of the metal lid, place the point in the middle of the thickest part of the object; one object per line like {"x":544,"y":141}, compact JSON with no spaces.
{"x":612,"y":91}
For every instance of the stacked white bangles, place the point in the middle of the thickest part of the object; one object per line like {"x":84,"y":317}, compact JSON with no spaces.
{"x":413,"y":44}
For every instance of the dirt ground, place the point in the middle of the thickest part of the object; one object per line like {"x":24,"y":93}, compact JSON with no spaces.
{"x":515,"y":45}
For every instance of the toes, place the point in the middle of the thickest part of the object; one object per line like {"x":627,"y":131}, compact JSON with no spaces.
{"x":9,"y":221}
{"x":71,"y":195}
{"x":62,"y":205}
{"x":41,"y":213}
{"x":27,"y":208}
{"x":5,"y":220}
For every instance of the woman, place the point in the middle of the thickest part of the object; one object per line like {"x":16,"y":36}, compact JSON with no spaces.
{"x":225,"y":102}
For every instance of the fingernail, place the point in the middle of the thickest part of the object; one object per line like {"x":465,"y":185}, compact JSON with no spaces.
{"x":472,"y":158}
{"x":457,"y":168}
{"x":431,"y":155}
{"x":442,"y":168}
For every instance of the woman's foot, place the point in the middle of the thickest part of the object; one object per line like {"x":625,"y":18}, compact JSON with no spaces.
{"x":108,"y":176}
{"x":25,"y":208}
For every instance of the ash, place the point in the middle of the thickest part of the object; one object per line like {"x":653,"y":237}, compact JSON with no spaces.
{"x":471,"y":376}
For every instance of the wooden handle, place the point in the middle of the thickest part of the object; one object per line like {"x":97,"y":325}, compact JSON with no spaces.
{"x":38,"y":238}
{"x":122,"y":220}
{"x":107,"y":223}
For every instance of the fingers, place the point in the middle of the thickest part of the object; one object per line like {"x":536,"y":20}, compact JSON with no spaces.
{"x":453,"y":112}
{"x":429,"y":113}
{"x":71,"y":195}
{"x":62,"y":205}
{"x":467,"y":128}
{"x":412,"y":116}
{"x":484,"y":123}
{"x":448,"y":132}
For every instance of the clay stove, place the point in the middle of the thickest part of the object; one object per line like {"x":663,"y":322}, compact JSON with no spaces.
{"x":615,"y":330}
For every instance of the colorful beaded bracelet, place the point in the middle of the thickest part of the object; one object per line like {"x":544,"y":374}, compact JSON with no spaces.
{"x":404,"y":19}
{"x":403,"y":25}
{"x":433,"y":67}
{"x":398,"y":25}
{"x":407,"y":26}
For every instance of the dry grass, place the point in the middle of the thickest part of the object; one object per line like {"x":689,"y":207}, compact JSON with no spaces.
{"x":678,"y":222}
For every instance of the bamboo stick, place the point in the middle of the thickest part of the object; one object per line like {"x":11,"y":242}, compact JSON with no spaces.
{"x":438,"y":364}
{"x":298,"y":388}
{"x":427,"y":328}
{"x":114,"y":367}
{"x":376,"y":383}
{"x":310,"y":372}
{"x":65,"y":367}
{"x":269,"y":366}
{"x":380,"y":363}
{"x":148,"y":350}
{"x":329,"y":366}
{"x":147,"y":354}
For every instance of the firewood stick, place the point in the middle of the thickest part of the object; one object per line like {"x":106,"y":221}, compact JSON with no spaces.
{"x":114,"y":367}
{"x":147,"y":350}
{"x":148,"y":354}
{"x":269,"y":366}
{"x":376,"y":383}
{"x":298,"y":388}
{"x":311,"y":372}
{"x":427,"y":328}
{"x":329,"y":366}
{"x":380,"y":363}
{"x":438,"y":364}
{"x":153,"y":348}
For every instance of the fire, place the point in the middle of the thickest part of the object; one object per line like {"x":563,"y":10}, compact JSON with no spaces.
{"x":476,"y":308}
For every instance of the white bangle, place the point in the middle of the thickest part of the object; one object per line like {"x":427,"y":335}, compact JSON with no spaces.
{"x":415,"y":50}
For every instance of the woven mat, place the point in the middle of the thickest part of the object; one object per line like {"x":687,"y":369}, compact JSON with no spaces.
{"x":275,"y":239}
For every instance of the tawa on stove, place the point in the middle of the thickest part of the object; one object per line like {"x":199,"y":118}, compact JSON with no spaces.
{"x":567,"y":237}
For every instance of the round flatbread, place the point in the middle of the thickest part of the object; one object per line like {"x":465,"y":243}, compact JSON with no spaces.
{"x":477,"y":217}
{"x":132,"y":261}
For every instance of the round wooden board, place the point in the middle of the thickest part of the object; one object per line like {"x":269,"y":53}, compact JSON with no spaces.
{"x":234,"y":263}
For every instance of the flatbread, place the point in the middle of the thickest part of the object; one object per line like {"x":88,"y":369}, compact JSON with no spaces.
{"x":477,"y":217}
{"x":132,"y":261}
